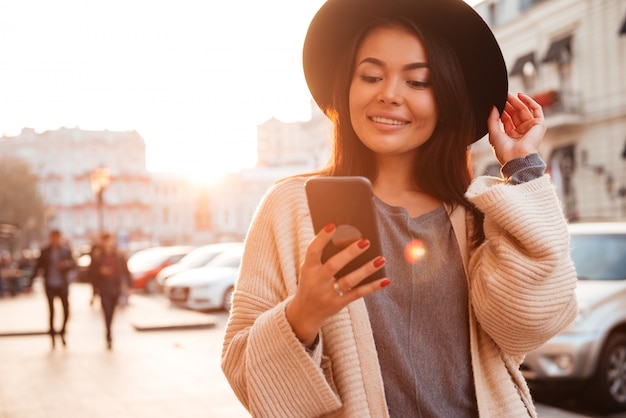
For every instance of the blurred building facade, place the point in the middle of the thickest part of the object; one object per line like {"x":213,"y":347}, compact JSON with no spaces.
{"x":138,"y":206}
{"x":303,"y":143}
{"x":144,"y":208}
{"x":284,"y":149}
{"x":570,"y":55}
{"x":174,"y":202}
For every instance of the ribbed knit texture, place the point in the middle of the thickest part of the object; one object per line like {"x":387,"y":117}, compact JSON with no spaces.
{"x":521,"y":284}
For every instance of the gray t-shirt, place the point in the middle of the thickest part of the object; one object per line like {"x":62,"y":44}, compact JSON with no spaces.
{"x":420,"y":322}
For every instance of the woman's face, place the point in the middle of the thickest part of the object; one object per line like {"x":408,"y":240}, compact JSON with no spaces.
{"x":392,"y":105}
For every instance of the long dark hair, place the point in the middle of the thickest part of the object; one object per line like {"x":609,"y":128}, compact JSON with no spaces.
{"x":443,"y":165}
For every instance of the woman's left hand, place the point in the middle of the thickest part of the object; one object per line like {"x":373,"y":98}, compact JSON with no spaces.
{"x":523,"y":128}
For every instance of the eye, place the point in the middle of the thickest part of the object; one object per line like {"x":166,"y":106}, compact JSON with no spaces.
{"x":419,"y":84}
{"x":370,"y":79}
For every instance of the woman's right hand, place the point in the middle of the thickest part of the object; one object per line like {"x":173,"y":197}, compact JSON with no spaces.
{"x":319,"y":296}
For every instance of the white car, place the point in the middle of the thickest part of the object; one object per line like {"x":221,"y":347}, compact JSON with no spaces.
{"x":209,"y":287}
{"x":198,"y":257}
{"x":588,"y":360}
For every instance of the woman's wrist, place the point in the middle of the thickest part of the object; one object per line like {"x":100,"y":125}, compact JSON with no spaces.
{"x":302,"y":327}
{"x":311,"y":347}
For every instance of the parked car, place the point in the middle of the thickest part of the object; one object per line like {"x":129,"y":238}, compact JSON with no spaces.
{"x":589,"y":358}
{"x":198,"y":257}
{"x":209,"y":287}
{"x":145,"y":264}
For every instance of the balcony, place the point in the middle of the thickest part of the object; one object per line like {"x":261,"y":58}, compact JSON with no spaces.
{"x":562,"y":108}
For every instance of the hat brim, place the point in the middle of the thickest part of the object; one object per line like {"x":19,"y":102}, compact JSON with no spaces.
{"x":337,"y":22}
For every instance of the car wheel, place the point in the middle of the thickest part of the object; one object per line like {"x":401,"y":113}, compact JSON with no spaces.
{"x":608,"y":386}
{"x":151,"y":287}
{"x":227,"y":301}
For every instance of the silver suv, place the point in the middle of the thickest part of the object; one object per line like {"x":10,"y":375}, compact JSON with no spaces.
{"x":589,"y":358}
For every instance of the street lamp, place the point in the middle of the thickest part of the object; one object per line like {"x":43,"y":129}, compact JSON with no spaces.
{"x":100,"y":180}
{"x":49,"y":213}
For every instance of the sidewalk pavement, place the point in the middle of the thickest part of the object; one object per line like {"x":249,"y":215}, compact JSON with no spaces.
{"x":27,"y":314}
{"x":165,"y":362}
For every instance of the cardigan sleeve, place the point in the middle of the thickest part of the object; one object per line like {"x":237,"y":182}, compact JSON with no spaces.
{"x":268,"y":368}
{"x":522,"y":279}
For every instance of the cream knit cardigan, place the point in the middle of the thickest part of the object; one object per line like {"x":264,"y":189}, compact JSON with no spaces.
{"x":521,"y":293}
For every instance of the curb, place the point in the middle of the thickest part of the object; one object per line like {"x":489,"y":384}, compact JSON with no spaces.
{"x":137,"y":327}
{"x":22,"y":333}
{"x":176,"y":327}
{"x":143,"y":314}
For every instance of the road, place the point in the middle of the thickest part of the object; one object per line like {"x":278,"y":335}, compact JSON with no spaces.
{"x":165,"y":362}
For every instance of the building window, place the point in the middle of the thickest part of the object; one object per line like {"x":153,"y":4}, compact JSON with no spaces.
{"x":527,"y":4}
{"x":492,"y":16}
{"x":561,"y":167}
{"x":525,"y":67}
{"x":559,"y":51}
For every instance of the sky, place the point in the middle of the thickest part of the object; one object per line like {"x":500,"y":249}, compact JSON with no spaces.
{"x":193,"y":77}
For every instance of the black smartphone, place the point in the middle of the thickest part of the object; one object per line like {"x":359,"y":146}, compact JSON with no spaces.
{"x":346,"y":201}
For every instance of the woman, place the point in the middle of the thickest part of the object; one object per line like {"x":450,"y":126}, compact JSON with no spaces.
{"x":111,"y":277}
{"x":409,"y":85}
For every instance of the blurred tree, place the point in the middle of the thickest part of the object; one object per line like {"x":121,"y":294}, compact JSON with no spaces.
{"x":20,"y":202}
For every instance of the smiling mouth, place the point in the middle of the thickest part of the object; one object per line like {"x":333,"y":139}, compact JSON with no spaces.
{"x":387,"y":121}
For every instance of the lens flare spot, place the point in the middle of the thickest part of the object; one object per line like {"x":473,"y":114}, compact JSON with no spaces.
{"x":414,"y":251}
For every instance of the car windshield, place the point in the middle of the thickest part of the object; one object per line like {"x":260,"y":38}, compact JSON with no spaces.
{"x":149,"y":259}
{"x":599,"y":257}
{"x":226,"y":259}
{"x":200,"y":256}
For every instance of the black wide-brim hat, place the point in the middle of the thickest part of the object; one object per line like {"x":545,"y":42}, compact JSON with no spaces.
{"x":338,"y":21}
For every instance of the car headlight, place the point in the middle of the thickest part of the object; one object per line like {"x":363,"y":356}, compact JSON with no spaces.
{"x":557,"y":365}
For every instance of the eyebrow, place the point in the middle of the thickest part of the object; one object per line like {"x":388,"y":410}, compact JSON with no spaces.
{"x":411,"y":66}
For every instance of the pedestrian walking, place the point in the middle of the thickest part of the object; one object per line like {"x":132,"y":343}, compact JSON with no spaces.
{"x":3,"y":273}
{"x":54,"y":264}
{"x":94,"y":254}
{"x":112,"y":278}
{"x":409,"y":85}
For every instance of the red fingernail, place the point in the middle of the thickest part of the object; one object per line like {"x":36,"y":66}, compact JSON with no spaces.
{"x":363,"y":243}
{"x":385,"y":282}
{"x":379,"y":262}
{"x":330,"y":227}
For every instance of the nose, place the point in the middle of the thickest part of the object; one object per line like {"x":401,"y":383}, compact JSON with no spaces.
{"x":390,"y":93}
